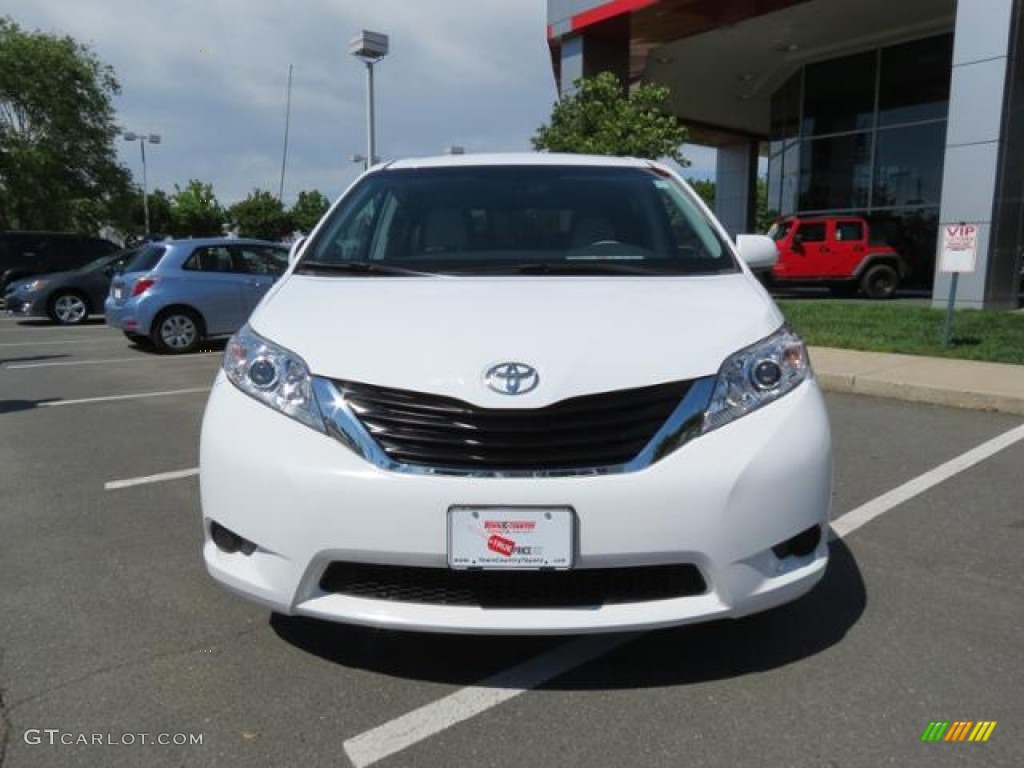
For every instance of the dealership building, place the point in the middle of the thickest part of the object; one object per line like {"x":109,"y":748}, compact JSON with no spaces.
{"x":907,"y":112}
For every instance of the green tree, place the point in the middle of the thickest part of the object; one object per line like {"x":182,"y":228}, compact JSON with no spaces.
{"x":260,"y":215}
{"x":706,"y":189}
{"x":128,"y":215}
{"x":58,"y":166}
{"x":764,"y":216}
{"x":161,"y":212}
{"x":195,"y":211}
{"x":309,"y":208}
{"x":599,"y":117}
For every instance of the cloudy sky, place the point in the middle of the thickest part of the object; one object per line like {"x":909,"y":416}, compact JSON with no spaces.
{"x":210,"y":76}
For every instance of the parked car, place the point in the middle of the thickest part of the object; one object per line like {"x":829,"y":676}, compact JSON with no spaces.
{"x":517,"y":394}
{"x":23,"y":254}
{"x":67,"y":298}
{"x":177,"y":293}
{"x":838,"y":252}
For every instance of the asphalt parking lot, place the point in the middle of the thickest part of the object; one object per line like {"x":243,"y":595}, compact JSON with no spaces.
{"x":110,"y":628}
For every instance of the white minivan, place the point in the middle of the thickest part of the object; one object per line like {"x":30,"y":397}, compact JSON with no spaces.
{"x":509,"y":394}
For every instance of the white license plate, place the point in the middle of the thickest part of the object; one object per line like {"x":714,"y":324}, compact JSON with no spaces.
{"x":117,"y":292}
{"x":511,"y":537}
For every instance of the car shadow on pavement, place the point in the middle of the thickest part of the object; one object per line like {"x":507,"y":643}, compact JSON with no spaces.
{"x":31,"y":359}
{"x":678,"y":656}
{"x":11,"y":406}
{"x":42,"y":322}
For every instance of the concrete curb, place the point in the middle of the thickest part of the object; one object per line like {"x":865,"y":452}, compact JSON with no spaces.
{"x":954,"y":383}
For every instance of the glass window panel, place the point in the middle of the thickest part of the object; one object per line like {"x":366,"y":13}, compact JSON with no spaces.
{"x":914,"y":83}
{"x":774,"y":182}
{"x":839,"y":95}
{"x":908,"y":165}
{"x":835,"y":172}
{"x":812,"y":231}
{"x":790,"y":179}
{"x":849,"y":230}
{"x":785,"y":111}
{"x":914,"y":234}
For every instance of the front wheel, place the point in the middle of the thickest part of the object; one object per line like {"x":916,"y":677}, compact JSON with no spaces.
{"x":880,"y":282}
{"x":177,"y":331}
{"x":68,"y":309}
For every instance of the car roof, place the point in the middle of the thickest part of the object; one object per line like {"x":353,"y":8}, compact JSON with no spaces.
{"x":517,"y":158}
{"x":205,"y":241}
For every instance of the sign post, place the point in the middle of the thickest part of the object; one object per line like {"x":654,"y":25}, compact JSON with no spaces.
{"x":959,"y":254}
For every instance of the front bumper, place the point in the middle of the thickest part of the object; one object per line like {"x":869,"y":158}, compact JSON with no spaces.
{"x":25,"y":305}
{"x":720,"y":503}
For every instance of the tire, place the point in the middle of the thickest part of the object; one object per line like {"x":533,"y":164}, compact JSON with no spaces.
{"x":880,"y":281}
{"x":68,"y":308}
{"x":177,"y":331}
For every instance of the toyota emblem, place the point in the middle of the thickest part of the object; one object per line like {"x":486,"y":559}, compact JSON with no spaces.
{"x":512,"y":378}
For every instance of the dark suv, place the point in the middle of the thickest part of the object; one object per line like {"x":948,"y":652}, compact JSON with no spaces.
{"x":23,"y":254}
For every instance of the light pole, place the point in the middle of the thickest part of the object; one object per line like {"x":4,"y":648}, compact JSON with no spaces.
{"x":142,"y":138}
{"x":369,"y":47}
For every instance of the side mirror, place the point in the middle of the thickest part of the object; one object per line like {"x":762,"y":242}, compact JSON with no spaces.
{"x":757,"y":251}
{"x":293,"y":253}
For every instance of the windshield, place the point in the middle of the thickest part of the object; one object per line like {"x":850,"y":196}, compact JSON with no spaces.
{"x":779,"y":230}
{"x":517,"y":220}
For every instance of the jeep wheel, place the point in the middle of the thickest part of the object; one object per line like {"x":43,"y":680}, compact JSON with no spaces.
{"x":880,"y":282}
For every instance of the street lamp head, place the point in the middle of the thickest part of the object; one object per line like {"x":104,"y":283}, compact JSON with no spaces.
{"x":130,"y":135}
{"x":154,"y":138}
{"x":369,"y":46}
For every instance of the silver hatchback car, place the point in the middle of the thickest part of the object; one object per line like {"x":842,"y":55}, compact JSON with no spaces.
{"x":178,"y":293}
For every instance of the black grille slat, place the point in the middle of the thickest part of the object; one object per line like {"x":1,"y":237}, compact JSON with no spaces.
{"x":502,"y":440}
{"x":593,"y":431}
{"x":469,"y":457}
{"x":502,"y":421}
{"x":514,"y":589}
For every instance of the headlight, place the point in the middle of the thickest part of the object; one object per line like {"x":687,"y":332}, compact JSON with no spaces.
{"x":35,"y":285}
{"x":273,"y":375}
{"x":756,"y":376}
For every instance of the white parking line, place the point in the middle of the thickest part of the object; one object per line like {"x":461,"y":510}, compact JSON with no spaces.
{"x":111,"y":398}
{"x":56,"y":343}
{"x":865,"y":513}
{"x":114,"y":485}
{"x":43,"y":327}
{"x":196,"y":356}
{"x":398,"y":734}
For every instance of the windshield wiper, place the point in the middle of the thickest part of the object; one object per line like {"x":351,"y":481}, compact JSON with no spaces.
{"x":583,"y":267}
{"x":358,"y":268}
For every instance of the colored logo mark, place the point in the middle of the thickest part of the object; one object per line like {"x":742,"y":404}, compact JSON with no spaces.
{"x":958,"y":730}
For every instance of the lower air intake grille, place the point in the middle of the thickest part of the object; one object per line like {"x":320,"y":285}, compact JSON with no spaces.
{"x":513,"y":589}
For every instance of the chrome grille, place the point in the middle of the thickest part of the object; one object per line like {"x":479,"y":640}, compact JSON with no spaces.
{"x":593,"y":431}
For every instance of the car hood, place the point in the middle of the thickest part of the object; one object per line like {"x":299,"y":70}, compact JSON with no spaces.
{"x":582,"y":334}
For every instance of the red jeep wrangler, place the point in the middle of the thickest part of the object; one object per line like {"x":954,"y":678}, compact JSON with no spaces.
{"x":835,"y":251}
